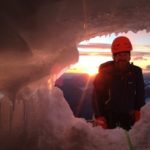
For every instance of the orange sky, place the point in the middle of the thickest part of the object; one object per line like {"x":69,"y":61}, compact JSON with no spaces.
{"x":97,"y":50}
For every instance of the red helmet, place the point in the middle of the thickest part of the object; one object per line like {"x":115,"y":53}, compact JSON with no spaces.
{"x":121,"y":44}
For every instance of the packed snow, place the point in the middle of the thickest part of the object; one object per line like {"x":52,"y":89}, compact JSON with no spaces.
{"x":48,"y":123}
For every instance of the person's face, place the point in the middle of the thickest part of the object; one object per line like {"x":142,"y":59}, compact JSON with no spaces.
{"x":122,"y":60}
{"x":122,"y":57}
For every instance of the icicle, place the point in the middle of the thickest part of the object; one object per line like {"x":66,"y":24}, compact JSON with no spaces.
{"x":1,"y":99}
{"x":12,"y":107}
{"x":0,"y":115}
{"x":25,"y":124}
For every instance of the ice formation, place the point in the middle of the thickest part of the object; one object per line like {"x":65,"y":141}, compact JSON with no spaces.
{"x":38,"y":39}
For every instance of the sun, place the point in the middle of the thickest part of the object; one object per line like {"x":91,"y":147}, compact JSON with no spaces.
{"x":91,"y":71}
{"x":87,"y":64}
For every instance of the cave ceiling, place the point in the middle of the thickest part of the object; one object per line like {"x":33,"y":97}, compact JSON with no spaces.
{"x":56,"y":26}
{"x":37,"y":24}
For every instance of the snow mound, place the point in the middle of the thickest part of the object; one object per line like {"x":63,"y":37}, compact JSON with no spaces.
{"x":50,"y":124}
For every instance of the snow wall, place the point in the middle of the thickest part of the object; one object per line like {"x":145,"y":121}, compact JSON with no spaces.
{"x":42,"y":119}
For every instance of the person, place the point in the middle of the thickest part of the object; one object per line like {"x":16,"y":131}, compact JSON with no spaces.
{"x":118,"y":93}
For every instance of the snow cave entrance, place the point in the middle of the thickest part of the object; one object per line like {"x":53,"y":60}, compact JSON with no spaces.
{"x":77,"y":82}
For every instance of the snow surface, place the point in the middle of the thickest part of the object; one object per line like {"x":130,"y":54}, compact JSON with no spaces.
{"x":50,"y":124}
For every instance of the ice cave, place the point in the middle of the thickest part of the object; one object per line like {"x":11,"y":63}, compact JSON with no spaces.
{"x":38,"y":40}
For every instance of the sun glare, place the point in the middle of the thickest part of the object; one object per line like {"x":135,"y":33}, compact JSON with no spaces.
{"x":88,"y":64}
{"x":91,"y":71}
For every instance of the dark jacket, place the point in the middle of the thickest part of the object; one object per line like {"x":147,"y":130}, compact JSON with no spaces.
{"x":118,"y":92}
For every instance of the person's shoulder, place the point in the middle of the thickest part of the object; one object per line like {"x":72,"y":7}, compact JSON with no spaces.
{"x":136,"y":68}
{"x":106,"y":66}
